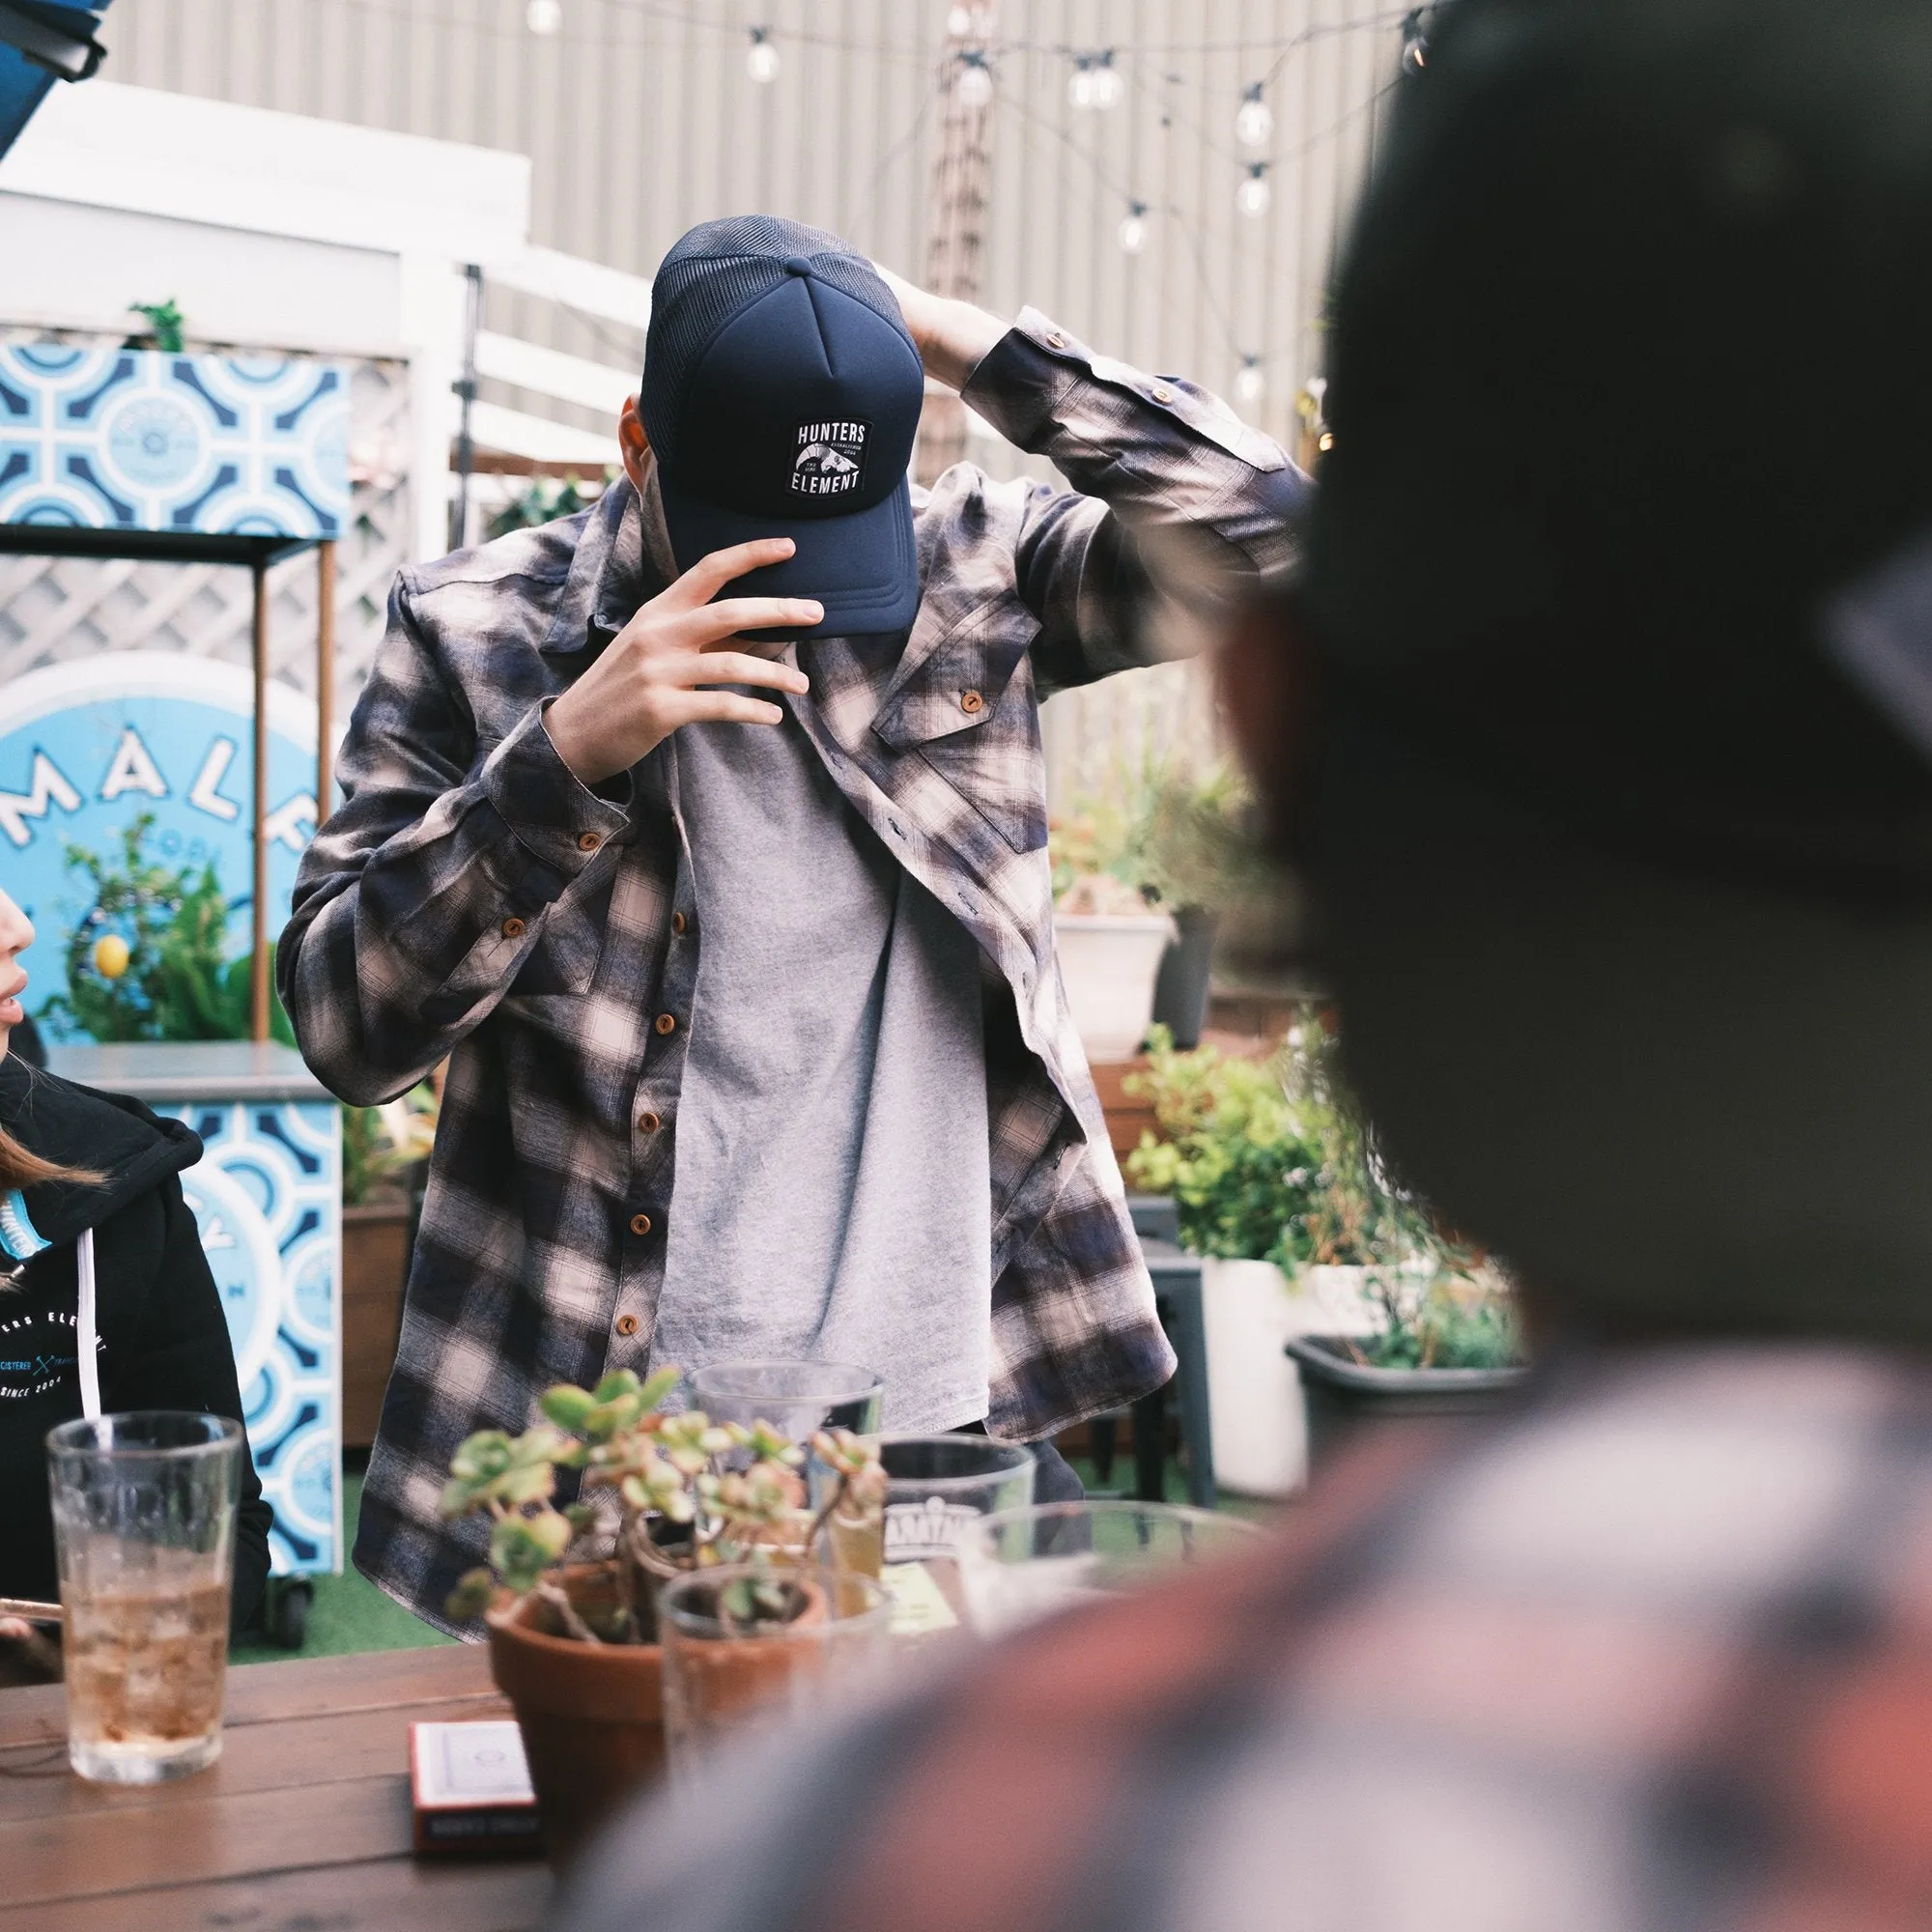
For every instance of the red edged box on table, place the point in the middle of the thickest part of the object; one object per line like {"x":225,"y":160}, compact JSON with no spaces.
{"x":471,"y":1790}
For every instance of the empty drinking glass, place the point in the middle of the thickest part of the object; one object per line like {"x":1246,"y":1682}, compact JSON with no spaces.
{"x":796,"y":1397}
{"x":722,"y":1670}
{"x":1024,"y":1564}
{"x":144,"y":1524}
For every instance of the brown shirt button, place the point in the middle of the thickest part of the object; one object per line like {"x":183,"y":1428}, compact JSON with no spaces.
{"x":641,"y":1223}
{"x":1054,"y":340}
{"x":648,"y":1122}
{"x":588,"y":841}
{"x":626,"y":1325}
{"x":1161,"y":393}
{"x":665,"y":1023}
{"x":513,"y":928}
{"x":971,"y":701}
{"x":678,"y":922}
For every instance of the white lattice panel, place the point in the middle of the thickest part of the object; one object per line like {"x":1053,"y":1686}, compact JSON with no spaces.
{"x":57,"y":608}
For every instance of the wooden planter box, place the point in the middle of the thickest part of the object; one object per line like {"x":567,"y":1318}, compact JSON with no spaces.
{"x":375,"y":1265}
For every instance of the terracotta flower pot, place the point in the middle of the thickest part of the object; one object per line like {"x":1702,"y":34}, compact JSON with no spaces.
{"x":592,"y":1719}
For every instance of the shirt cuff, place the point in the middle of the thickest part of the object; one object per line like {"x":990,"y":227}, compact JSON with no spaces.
{"x":554,"y":815}
{"x":1022,"y":381}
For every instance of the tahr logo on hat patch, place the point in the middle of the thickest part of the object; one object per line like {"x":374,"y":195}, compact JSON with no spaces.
{"x":831,"y":458}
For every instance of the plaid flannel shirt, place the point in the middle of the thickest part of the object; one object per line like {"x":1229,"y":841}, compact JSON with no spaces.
{"x":471,"y":899}
{"x":1654,"y":1656}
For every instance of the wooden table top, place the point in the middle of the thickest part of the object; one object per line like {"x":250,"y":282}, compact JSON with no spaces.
{"x":304,"y":1822}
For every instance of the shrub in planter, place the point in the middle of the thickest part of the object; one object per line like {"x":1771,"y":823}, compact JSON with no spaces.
{"x":1445,"y":1336}
{"x":569,"y":1593}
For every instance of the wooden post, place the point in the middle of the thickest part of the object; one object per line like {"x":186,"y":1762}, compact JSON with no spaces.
{"x":959,"y":183}
{"x":258,"y":1026}
{"x":325,"y":681}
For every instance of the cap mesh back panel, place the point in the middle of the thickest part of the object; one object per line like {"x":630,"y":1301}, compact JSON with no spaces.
{"x":711,"y":274}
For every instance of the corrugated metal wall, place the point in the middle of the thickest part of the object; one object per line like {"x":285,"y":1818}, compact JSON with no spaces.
{"x":641,"y":119}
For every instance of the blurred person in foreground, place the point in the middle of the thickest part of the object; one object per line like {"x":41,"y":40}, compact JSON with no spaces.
{"x":1602,"y":736}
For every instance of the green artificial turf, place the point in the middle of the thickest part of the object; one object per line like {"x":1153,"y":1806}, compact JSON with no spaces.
{"x":348,"y":1613}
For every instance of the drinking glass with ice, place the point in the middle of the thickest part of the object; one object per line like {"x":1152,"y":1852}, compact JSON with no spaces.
{"x":144,"y":1524}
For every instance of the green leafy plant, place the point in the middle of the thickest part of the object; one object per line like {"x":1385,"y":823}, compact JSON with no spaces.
{"x":543,"y":504}
{"x":148,"y":959}
{"x":1274,"y":1160}
{"x":167,"y":326}
{"x":380,"y":1144}
{"x":659,"y":1495}
{"x":1441,"y":1303}
{"x":1230,"y":1149}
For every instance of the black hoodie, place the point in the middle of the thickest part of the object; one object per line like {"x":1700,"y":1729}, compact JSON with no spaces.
{"x":163,"y":1340}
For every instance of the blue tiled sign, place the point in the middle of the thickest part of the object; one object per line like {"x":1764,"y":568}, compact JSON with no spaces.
{"x":140,"y":440}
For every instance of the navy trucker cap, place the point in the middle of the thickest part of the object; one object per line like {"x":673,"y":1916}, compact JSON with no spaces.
{"x":781,"y":396}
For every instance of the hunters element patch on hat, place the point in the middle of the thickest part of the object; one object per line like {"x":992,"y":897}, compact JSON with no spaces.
{"x":830,"y":459}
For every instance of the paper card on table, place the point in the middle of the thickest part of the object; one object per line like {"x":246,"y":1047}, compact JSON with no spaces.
{"x":919,"y":1604}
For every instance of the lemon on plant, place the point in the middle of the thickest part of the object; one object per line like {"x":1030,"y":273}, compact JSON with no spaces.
{"x":110,"y":955}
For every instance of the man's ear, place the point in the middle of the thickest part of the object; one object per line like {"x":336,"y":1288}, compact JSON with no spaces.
{"x":634,"y":443}
{"x":1266,"y":674}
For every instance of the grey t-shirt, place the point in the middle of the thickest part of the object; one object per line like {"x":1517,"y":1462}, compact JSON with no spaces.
{"x":832,"y":1198}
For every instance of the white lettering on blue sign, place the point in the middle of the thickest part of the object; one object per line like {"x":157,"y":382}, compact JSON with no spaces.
{"x":132,"y":770}
{"x":205,"y":791}
{"x":47,"y":785}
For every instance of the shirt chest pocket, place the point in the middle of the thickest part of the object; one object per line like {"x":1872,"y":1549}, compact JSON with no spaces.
{"x":967,"y":709}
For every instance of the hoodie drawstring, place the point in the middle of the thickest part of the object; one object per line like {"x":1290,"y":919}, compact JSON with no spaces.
{"x":85,"y":1327}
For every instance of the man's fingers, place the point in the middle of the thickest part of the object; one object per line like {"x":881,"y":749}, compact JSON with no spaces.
{"x":709,"y":575}
{"x":719,"y":707}
{"x":732,"y":614}
{"x":735,"y":667}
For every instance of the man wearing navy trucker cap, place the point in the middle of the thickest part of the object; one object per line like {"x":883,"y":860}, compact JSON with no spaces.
{"x":705,"y":834}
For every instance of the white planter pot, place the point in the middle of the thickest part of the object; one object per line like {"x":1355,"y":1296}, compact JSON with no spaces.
{"x":1108,"y":966}
{"x":1253,"y":1391}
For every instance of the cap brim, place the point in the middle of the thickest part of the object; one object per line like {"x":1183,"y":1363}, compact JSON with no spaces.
{"x":862,"y":567}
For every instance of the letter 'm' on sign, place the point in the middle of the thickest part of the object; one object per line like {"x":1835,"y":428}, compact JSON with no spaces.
{"x":46,"y":785}
{"x":132,"y":770}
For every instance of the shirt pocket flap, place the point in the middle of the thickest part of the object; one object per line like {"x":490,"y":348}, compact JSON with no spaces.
{"x":961,"y":681}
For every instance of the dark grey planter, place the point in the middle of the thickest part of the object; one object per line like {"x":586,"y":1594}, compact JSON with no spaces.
{"x":1343,"y":1398}
{"x":1180,"y":988}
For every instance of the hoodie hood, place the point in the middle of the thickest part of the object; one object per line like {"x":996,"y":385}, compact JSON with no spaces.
{"x":131,"y":1147}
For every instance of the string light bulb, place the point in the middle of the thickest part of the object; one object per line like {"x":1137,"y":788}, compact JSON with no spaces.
{"x":1133,"y":227}
{"x":1250,"y":385}
{"x":1254,"y":120}
{"x":761,"y":60}
{"x":1253,"y":194}
{"x":975,"y":85}
{"x":543,"y":18}
{"x":1095,"y":83}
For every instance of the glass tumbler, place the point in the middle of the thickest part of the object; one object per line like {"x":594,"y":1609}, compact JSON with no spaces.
{"x":1024,"y":1564}
{"x":796,"y":1397}
{"x":144,"y":1524}
{"x":936,"y":1487}
{"x":721,"y":1673}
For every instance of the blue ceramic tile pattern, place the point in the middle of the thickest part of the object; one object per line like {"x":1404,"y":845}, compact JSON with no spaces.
{"x":139,"y":439}
{"x":267,"y":1199}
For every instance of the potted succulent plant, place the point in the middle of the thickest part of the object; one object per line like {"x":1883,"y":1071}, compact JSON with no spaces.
{"x":569,"y":1593}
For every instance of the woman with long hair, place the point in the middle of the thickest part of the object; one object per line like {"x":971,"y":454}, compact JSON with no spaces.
{"x":106,"y":1301}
